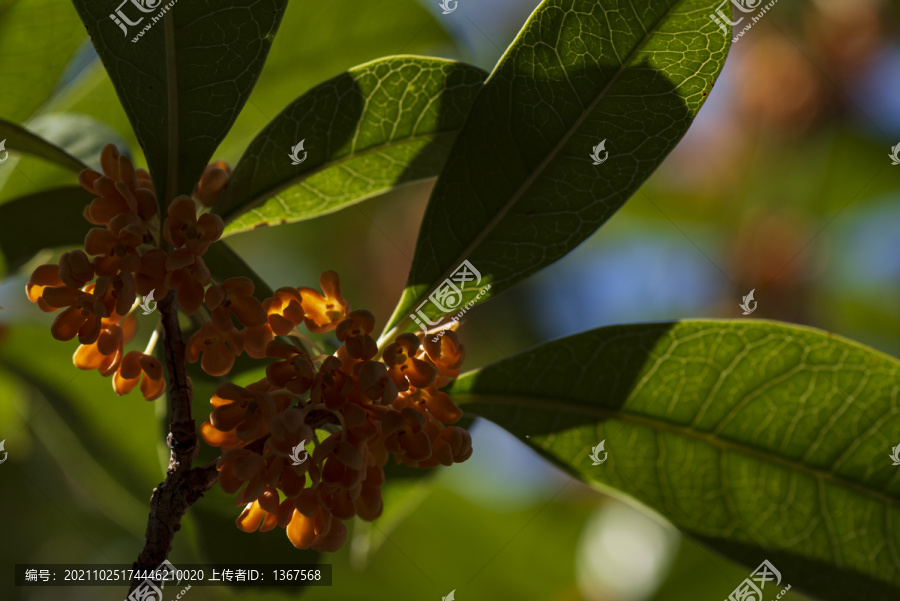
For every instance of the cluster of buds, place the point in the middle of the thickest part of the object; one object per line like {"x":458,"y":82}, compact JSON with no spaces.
{"x":362,"y":407}
{"x":365,"y":409}
{"x":94,"y":289}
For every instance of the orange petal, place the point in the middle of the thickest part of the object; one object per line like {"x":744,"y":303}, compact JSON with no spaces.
{"x":152,"y":389}
{"x":67,"y":324}
{"x":217,"y":360}
{"x":123,"y":386}
{"x":251,"y":517}
{"x":300,"y":531}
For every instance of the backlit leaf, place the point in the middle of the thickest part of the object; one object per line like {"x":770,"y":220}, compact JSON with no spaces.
{"x":182,"y":74}
{"x":37,"y":40}
{"x":520,"y":190}
{"x":387,"y":123}
{"x":762,"y":440}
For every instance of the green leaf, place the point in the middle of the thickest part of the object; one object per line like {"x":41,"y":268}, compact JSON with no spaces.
{"x":762,"y":440}
{"x":519,"y":190}
{"x":37,"y":40}
{"x":74,"y":141}
{"x":92,"y":94}
{"x":79,"y":136}
{"x":320,"y":40}
{"x":43,"y":220}
{"x":224,"y":263}
{"x":387,"y":123}
{"x":18,"y":139}
{"x":184,"y":78}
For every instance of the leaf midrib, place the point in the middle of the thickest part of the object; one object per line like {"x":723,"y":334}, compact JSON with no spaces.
{"x":172,"y":109}
{"x":468,"y":250}
{"x":260,"y":198}
{"x":564,"y":406}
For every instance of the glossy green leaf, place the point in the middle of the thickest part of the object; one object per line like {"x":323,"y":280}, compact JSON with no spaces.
{"x":182,"y":73}
{"x":37,"y":40}
{"x":20,"y":140}
{"x":520,"y":190}
{"x":44,"y":220}
{"x":387,"y":123}
{"x":74,"y":141}
{"x":762,"y":440}
{"x":320,"y":40}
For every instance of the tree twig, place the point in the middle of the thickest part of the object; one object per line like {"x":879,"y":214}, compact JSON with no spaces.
{"x":183,"y":485}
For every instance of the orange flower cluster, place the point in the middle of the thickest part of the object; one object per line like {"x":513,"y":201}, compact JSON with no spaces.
{"x":368,"y":408}
{"x":96,"y":287}
{"x":371,"y":408}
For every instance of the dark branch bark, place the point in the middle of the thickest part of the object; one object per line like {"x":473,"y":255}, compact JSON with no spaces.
{"x":183,"y":485}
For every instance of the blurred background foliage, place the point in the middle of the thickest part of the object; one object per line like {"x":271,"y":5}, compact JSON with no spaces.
{"x":782,"y":185}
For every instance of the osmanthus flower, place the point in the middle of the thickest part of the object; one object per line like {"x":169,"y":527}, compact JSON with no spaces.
{"x":212,"y":182}
{"x":115,"y":247}
{"x":116,"y":292}
{"x":75,"y":269}
{"x":151,"y":274}
{"x":355,"y":332}
{"x":215,"y":348}
{"x":95,"y":289}
{"x":120,"y":189}
{"x":351,"y":410}
{"x":404,"y":367}
{"x":332,"y":385}
{"x":354,"y":409}
{"x":234,"y":298}
{"x":247,"y":412}
{"x":138,"y":368}
{"x":188,"y":275}
{"x":105,"y":355}
{"x":256,"y":339}
{"x":318,"y":531}
{"x":266,"y":513}
{"x":447,"y":355}
{"x":81,"y":316}
{"x":43,"y":277}
{"x":284,"y":311}
{"x":295,"y":372}
{"x":322,"y":313}
{"x":183,"y":228}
